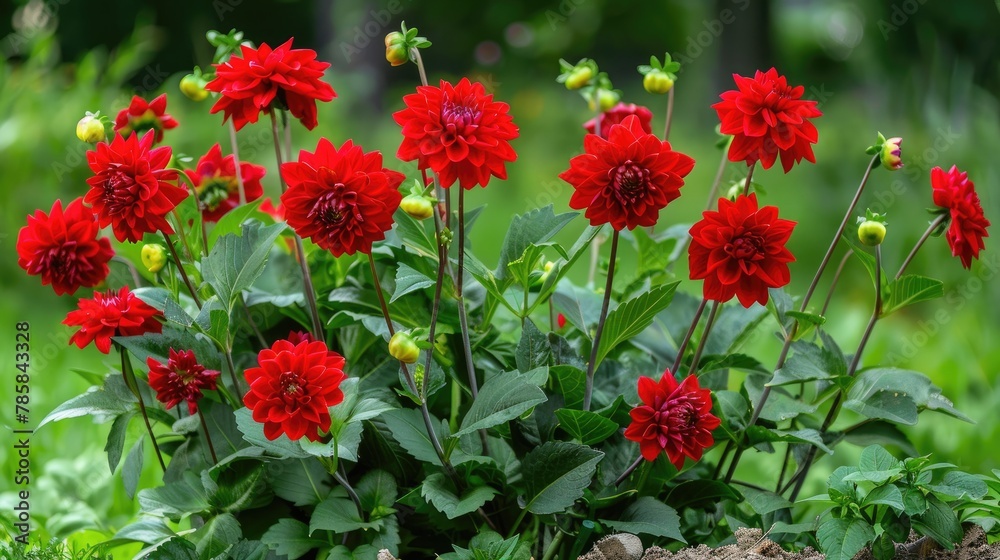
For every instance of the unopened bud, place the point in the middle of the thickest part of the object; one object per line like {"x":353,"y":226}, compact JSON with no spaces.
{"x":154,"y":257}
{"x":90,"y":129}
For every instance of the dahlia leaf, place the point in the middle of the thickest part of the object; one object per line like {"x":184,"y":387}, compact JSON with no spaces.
{"x":648,"y":516}
{"x":556,"y":474}
{"x":408,"y":280}
{"x":533,"y":350}
{"x":868,"y":260}
{"x":441,"y":493}
{"x":570,"y":382}
{"x":149,"y":530}
{"x":911,"y":289}
{"x":116,"y":439}
{"x":289,"y":537}
{"x":175,"y":548}
{"x":702,"y":492}
{"x":216,"y":536}
{"x":532,"y":228}
{"x":504,"y":397}
{"x":763,"y":502}
{"x":236,"y":261}
{"x":876,"y":465}
{"x":407,"y":427}
{"x":940,"y":522}
{"x":586,"y":427}
{"x":880,"y":432}
{"x":888,"y":495}
{"x":301,"y":482}
{"x":959,"y":485}
{"x":340,"y":516}
{"x":841,"y":539}
{"x":176,"y":500}
{"x":415,"y":235}
{"x":253,"y":432}
{"x":132,"y":469}
{"x":232,"y":222}
{"x":780,"y":406}
{"x":632,"y":317}
{"x":110,"y":401}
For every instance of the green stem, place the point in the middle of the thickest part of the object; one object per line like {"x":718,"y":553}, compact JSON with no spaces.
{"x":628,"y":471}
{"x":341,"y":479}
{"x":180,"y":267}
{"x":836,"y":279}
{"x":592,"y":364}
{"x":670,"y":114}
{"x":704,"y":337}
{"x":234,"y":144}
{"x":228,"y":352}
{"x":463,"y":319}
{"x":687,"y":336}
{"x":553,"y":548}
{"x":415,"y":56}
{"x":208,"y":438}
{"x":746,"y":185}
{"x":307,"y":284}
{"x":130,"y":381}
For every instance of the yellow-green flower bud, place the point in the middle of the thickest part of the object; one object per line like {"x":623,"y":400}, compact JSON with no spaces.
{"x":403,"y":348}
{"x":193,"y":87}
{"x":657,"y":81}
{"x":90,"y":130}
{"x":154,"y":257}
{"x":417,"y":206}
{"x":890,"y":154}
{"x":579,"y":77}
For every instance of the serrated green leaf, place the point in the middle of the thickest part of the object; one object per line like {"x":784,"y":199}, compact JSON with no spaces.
{"x":696,"y":493}
{"x":340,"y":516}
{"x":110,"y":401}
{"x":175,"y":500}
{"x":532,"y":228}
{"x":236,"y":261}
{"x":116,"y":439}
{"x":632,"y":317}
{"x":504,"y":397}
{"x":648,"y":516}
{"x":533,"y":350}
{"x":841,"y":539}
{"x":911,"y":289}
{"x":216,"y":536}
{"x":149,"y":530}
{"x":957,"y":484}
{"x":586,"y":427}
{"x":377,"y":488}
{"x":301,"y":482}
{"x":763,"y":502}
{"x":441,"y":494}
{"x":232,"y":221}
{"x":408,"y":280}
{"x":175,"y":548}
{"x":289,"y":537}
{"x":132,"y":468}
{"x":887,"y":495}
{"x":253,"y":432}
{"x":939,"y":522}
{"x":556,"y":474}
{"x":407,"y":428}
{"x":570,"y":382}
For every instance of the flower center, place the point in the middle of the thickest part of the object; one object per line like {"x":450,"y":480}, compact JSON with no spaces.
{"x":61,"y":260}
{"x":144,"y":122}
{"x":215,"y":191}
{"x":117,"y":192}
{"x":746,"y":247}
{"x":334,"y":206}
{"x":630,"y":180}
{"x":460,"y":115}
{"x":292,"y":388}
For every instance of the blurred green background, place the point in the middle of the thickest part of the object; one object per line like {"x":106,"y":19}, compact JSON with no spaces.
{"x":926,"y":71}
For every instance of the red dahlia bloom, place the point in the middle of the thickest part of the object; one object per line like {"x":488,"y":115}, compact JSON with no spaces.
{"x":129,"y":189}
{"x":263,"y":79}
{"x":676,"y":418}
{"x":111,"y":314}
{"x":276,"y":212}
{"x":627,"y":179}
{"x":956,"y":194}
{"x":296,"y":337}
{"x":181,"y":379}
{"x":342,"y":199}
{"x":63,"y":248}
{"x":740,"y":250}
{"x":457,"y":131}
{"x":293,"y":388}
{"x":767,"y":118}
{"x":617,"y":114}
{"x":214,"y":180}
{"x":140,"y":116}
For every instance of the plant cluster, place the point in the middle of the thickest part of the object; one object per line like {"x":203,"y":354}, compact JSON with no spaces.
{"x":337,"y":372}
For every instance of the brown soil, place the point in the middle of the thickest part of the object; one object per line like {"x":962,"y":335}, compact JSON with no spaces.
{"x":751,"y":545}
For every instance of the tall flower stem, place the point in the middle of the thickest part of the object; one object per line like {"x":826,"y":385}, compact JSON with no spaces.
{"x":463,"y":319}
{"x":746,"y":185}
{"x":180,"y":268}
{"x":800,"y":476}
{"x":635,"y":464}
{"x":228,"y":352}
{"x":415,"y":56}
{"x":790,"y":335}
{"x":234,"y":144}
{"x":670,"y":115}
{"x":704,"y":337}
{"x":129,"y":375}
{"x":307,"y":284}
{"x":592,"y":364}
{"x":208,"y":437}
{"x":833,"y":283}
{"x":687,"y":337}
{"x":713,"y":192}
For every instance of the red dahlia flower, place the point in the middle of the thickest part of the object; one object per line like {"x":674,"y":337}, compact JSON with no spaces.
{"x":111,"y":314}
{"x":457,"y":131}
{"x":293,"y":388}
{"x":674,"y":418}
{"x":617,"y":114}
{"x":342,"y":199}
{"x":263,"y":79}
{"x":181,"y":379}
{"x":740,"y":251}
{"x":63,"y":248}
{"x":130,"y":188}
{"x":627,"y":179}
{"x":956,"y":194}
{"x":140,"y":116}
{"x":214,"y":180}
{"x":767,"y":118}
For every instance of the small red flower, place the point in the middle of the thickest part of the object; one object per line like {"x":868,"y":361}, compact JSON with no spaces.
{"x":263,"y":79}
{"x":140,"y":116}
{"x":111,"y":314}
{"x":63,"y":248}
{"x":768,"y":118}
{"x":130,"y":189}
{"x":676,"y":418}
{"x":214,"y":180}
{"x":561,"y":321}
{"x":181,"y":379}
{"x":342,"y":199}
{"x":627,"y":179}
{"x":293,"y":388}
{"x":617,"y":114}
{"x":956,"y":194}
{"x":740,"y":251}
{"x":276,"y":212}
{"x":457,"y":131}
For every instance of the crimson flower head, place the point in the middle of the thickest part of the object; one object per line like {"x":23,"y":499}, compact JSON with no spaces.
{"x":111,"y":314}
{"x":617,"y":114}
{"x":264,"y":79}
{"x":293,"y":388}
{"x":740,"y":251}
{"x":342,"y":199}
{"x":956,"y":194}
{"x":130,"y":188}
{"x":181,"y":379}
{"x":768,"y":118}
{"x":141,"y":116}
{"x":458,"y":131}
{"x":296,"y":337}
{"x":63,"y":248}
{"x":215,"y":182}
{"x":676,"y":418}
{"x":627,"y":179}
